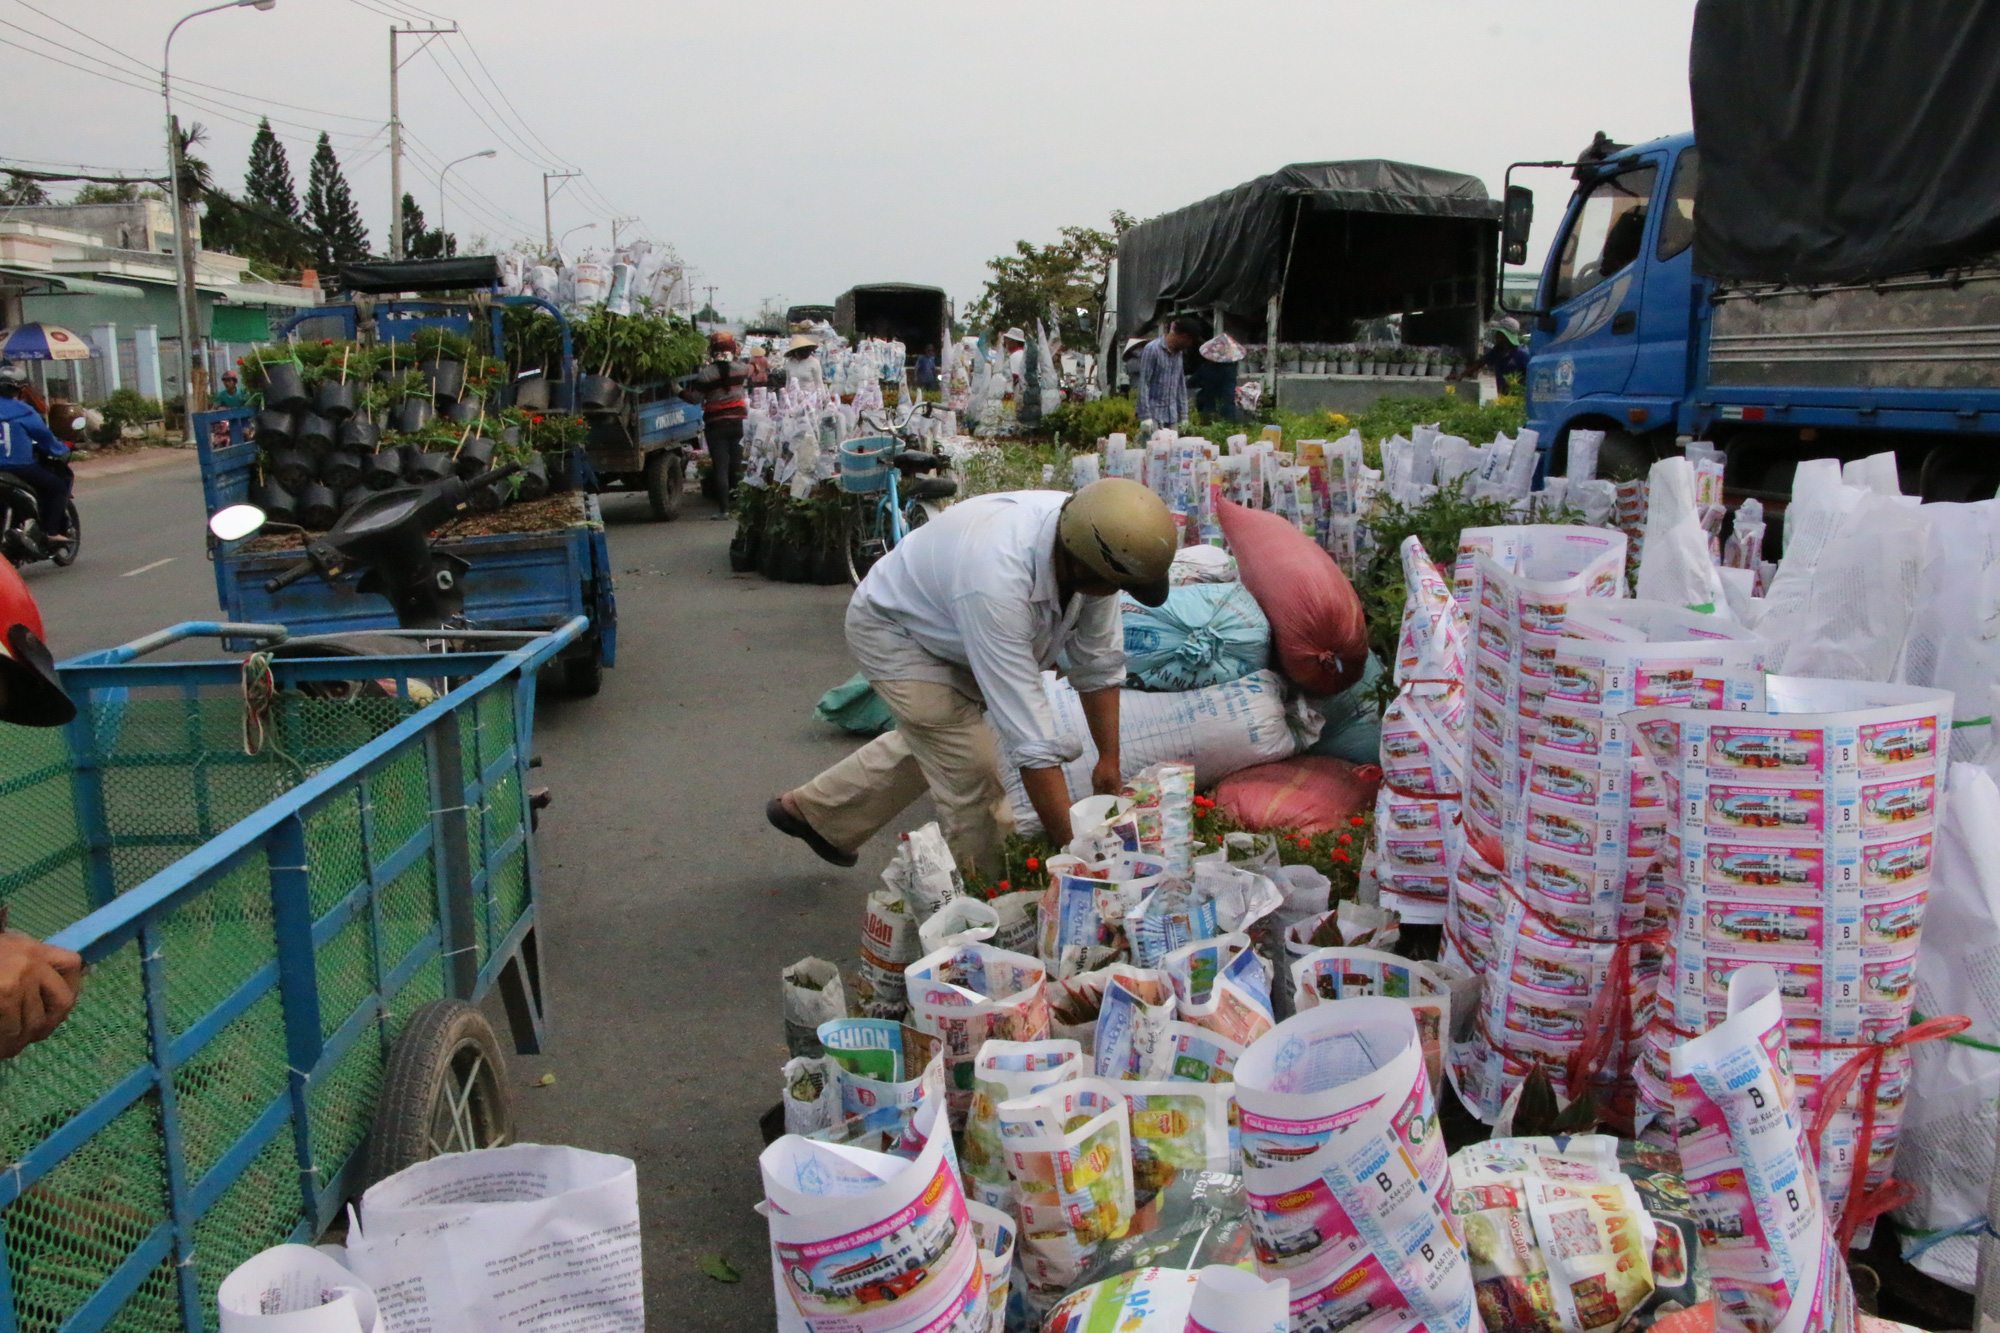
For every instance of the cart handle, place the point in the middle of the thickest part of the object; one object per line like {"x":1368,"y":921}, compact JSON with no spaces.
{"x":187,"y":629}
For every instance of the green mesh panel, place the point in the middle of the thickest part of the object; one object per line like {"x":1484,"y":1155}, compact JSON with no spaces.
{"x":408,"y":908}
{"x":72,"y":1230}
{"x":399,"y":795}
{"x":213,"y":942}
{"x":346,"y":973}
{"x":256,"y":1212}
{"x":424,"y":985}
{"x":228,"y":1083}
{"x":102,"y":1041}
{"x":334,"y":851}
{"x":340,"y":1103}
{"x":42,"y":852}
{"x":510,"y":892}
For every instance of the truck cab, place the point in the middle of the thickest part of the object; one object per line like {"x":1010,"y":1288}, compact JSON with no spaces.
{"x":1608,"y":345}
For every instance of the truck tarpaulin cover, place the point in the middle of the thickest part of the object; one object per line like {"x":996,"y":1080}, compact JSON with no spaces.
{"x":1844,"y":141}
{"x":1229,"y":249}
{"x":421,"y":275}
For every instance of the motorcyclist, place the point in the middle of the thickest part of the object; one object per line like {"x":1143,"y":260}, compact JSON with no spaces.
{"x":31,"y":451}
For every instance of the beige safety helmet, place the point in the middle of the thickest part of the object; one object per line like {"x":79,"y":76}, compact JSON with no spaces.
{"x":1124,"y":532}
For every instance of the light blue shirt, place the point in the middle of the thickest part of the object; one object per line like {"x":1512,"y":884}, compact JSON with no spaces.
{"x":1163,"y":395}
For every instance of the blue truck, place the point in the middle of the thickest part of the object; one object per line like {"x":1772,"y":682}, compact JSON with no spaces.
{"x":1818,"y":276}
{"x":1628,"y":338}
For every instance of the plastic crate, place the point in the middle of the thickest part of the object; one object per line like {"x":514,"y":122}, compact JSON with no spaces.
{"x":258,"y":928}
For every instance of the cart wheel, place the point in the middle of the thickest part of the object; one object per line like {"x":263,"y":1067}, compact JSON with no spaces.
{"x":445,"y":1091}
{"x":583,"y":671}
{"x":666,"y":478}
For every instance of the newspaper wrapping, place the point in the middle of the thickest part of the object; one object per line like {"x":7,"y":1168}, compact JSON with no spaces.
{"x":866,"y":1242}
{"x":1351,"y":925}
{"x":878,"y":1066}
{"x":1586,"y":888}
{"x":1346,"y":1172}
{"x":1081,"y":921}
{"x":889,"y":943}
{"x":1559,"y":1238}
{"x":1804,"y":837}
{"x":812,"y":994}
{"x":1003,"y":1071}
{"x":1417,"y":832}
{"x":965,"y":996}
{"x":1069,"y":1151}
{"x":997,"y":1235}
{"x":294,"y":1289}
{"x":1741,"y":1125}
{"x":1325,"y":975}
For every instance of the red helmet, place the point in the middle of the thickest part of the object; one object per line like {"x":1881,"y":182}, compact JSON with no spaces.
{"x":30,"y":694}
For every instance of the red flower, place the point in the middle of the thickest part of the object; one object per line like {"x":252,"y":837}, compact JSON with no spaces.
{"x":1341,"y":857}
{"x":1034,"y":863}
{"x":536,"y":420}
{"x":1346,"y":838}
{"x":1003,"y":886}
{"x":1356,"y":821}
{"x":326,"y":342}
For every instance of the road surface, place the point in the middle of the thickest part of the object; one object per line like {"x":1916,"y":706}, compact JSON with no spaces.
{"x":670,"y":905}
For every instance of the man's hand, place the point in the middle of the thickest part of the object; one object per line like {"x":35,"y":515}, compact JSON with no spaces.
{"x":1107,"y":779}
{"x":38,"y":987}
{"x":1100,"y":712}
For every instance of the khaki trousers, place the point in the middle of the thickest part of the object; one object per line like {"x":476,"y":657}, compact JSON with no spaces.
{"x":941,"y":742}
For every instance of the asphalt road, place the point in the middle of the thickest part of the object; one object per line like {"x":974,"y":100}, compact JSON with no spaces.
{"x":670,"y":906}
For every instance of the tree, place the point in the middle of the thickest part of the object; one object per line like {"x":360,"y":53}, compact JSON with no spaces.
{"x":1068,"y":274}
{"x":708,"y":314}
{"x":22,"y":191}
{"x":331,"y":213}
{"x":270,"y":229}
{"x":419,"y":243}
{"x":102,"y":192}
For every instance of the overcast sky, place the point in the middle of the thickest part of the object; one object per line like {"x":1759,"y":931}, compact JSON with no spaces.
{"x":790,"y":150}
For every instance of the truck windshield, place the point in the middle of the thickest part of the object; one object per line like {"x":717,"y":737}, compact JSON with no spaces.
{"x":1606,"y":232}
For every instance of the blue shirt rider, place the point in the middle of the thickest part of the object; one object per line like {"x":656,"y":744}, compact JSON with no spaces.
{"x":25,"y":443}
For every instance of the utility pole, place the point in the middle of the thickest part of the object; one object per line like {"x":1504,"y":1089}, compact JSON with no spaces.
{"x":616,"y":223}
{"x":710,"y":303}
{"x":396,"y":237}
{"x":548,"y":226}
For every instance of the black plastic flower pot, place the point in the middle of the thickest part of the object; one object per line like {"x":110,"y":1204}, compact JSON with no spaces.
{"x":318,"y":509}
{"x":534,"y":480}
{"x":293,"y":468}
{"x":353,"y":496}
{"x":598,"y":393}
{"x":474,"y":457}
{"x":384,"y":469}
{"x":275,"y":430}
{"x":341,"y":471}
{"x":796,"y":564}
{"x":283,"y":386}
{"x":558,"y":465}
{"x":277,"y":503}
{"x":510,"y":435}
{"x":486,"y":499}
{"x":532,"y":394}
{"x":413,"y":414}
{"x":463,"y":411}
{"x":334,"y":400}
{"x":424,"y":468}
{"x":829,"y":565}
{"x":743,"y":550}
{"x":445,"y":378}
{"x":770,"y":555}
{"x":316,"y":432}
{"x":360,"y":435}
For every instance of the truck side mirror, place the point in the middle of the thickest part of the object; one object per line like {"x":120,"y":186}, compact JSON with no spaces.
{"x":1517,"y":220}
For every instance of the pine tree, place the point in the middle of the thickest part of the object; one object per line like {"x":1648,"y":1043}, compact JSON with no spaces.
{"x":331,"y":213}
{"x":268,"y":188}
{"x":22,"y":191}
{"x":419,"y":243}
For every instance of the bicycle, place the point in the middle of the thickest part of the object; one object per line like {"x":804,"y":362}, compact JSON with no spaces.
{"x":887,"y":499}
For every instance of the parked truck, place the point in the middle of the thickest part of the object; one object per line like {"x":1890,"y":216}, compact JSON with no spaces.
{"x":1787,"y":288}
{"x":917,"y":316}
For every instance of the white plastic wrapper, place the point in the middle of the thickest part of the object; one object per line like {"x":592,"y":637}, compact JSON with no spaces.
{"x":1583,"y":447}
{"x":968,"y":995}
{"x":451,"y":1244}
{"x":1346,"y":1172}
{"x":871,"y":1242}
{"x":811,"y":1095}
{"x":1676,"y":567}
{"x":1806,"y":832}
{"x":961,"y":920}
{"x":1945,"y":1148}
{"x":1954,"y":635}
{"x":1741,"y":1128}
{"x":812,"y":994}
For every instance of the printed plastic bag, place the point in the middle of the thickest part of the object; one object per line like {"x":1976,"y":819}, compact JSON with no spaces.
{"x":1069,"y":1151}
{"x":812,"y":995}
{"x":889,"y":943}
{"x":1203,"y":634}
{"x":1003,"y":1071}
{"x":970,"y":994}
{"x":1676,"y":568}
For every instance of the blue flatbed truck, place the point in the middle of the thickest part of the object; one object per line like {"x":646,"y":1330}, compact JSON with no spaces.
{"x":535,"y":579}
{"x":1628,"y":338}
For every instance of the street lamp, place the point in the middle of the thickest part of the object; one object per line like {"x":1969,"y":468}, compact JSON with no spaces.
{"x":491,"y":152}
{"x":581,"y":226}
{"x":192,"y":395}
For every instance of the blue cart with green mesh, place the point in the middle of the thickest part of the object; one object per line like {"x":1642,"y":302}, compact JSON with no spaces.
{"x":291,"y":895}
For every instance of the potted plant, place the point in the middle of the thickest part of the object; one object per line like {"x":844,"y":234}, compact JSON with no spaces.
{"x":318,"y":509}
{"x":279,"y":377}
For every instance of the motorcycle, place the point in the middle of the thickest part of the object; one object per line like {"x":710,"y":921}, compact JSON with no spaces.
{"x":22,"y":540}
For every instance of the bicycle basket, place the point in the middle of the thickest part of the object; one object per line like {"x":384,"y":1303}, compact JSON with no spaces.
{"x":862,"y":466}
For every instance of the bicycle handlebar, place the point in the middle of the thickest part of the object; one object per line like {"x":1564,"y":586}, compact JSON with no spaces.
{"x":290,"y":576}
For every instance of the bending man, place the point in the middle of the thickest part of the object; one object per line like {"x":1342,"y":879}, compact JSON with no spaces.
{"x":962,"y":617}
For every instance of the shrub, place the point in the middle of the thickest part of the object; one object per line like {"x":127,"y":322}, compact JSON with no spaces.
{"x":126,"y":407}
